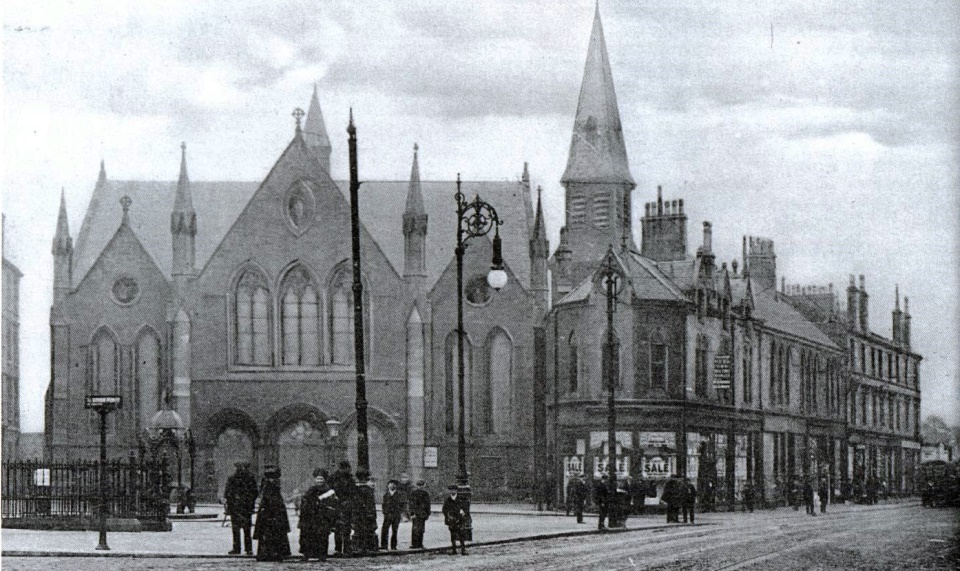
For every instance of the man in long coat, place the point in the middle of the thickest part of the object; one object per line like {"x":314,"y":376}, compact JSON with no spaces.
{"x":689,"y":501}
{"x":392,"y":507}
{"x":272,"y":523}
{"x":345,"y":486}
{"x":318,"y":516}
{"x":240,"y":498}
{"x":419,"y":513}
{"x":601,"y":495}
{"x":454,"y":516}
{"x":673,"y":492}
{"x":578,"y":496}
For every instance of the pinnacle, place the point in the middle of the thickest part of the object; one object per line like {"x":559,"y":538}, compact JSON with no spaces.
{"x":315,"y":129}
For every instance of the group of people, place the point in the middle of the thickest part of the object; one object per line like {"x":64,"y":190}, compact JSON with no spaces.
{"x":335,"y":503}
{"x":803,"y":492}
{"x":680,"y":495}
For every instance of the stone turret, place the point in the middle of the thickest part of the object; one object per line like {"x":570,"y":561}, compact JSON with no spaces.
{"x":415,"y":226}
{"x":183,"y":227}
{"x":539,"y":252}
{"x":62,"y":255}
{"x":315,"y":132}
{"x":761,"y":263}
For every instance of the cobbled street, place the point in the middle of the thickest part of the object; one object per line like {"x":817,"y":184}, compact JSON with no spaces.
{"x":902,"y":536}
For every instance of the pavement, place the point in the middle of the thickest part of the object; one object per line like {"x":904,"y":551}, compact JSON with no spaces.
{"x":205,"y":536}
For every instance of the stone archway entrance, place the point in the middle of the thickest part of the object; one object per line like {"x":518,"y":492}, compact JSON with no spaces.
{"x":301,"y":448}
{"x":232,"y":445}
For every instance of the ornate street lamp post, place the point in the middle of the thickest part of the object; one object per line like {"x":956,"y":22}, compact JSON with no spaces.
{"x":104,"y":405}
{"x":474,"y":218}
{"x":610,"y":274}
{"x":363,"y":452}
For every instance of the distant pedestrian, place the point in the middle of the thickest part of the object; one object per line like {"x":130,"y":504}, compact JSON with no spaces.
{"x":578,"y":495}
{"x":404,"y":487}
{"x":619,"y":508}
{"x":419,"y":513}
{"x":345,"y":486}
{"x":808,"y":497}
{"x":272,"y":524}
{"x":392,"y":508}
{"x":240,"y":499}
{"x":318,"y":517}
{"x":689,"y":500}
{"x":365,"y":515}
{"x":601,"y":493}
{"x":824,"y":495}
{"x":454,"y":516}
{"x":748,"y":496}
{"x":673,"y":493}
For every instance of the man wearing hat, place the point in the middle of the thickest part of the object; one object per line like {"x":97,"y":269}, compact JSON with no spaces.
{"x":419,"y":513}
{"x":454,"y":515}
{"x":239,"y":498}
{"x":392,"y":508}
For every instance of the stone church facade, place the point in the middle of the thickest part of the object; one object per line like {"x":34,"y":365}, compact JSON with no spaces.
{"x":230,"y":303}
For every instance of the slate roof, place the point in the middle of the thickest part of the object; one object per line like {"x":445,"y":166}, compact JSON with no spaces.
{"x":597,"y":149}
{"x":218,"y":204}
{"x":778,"y":313}
{"x":647,"y":280}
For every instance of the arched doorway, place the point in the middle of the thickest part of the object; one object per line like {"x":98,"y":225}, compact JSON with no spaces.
{"x":232,"y":445}
{"x":300,"y":450}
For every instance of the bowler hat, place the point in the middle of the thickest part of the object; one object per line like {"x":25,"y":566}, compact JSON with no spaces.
{"x":453,"y":487}
{"x":272,"y":471}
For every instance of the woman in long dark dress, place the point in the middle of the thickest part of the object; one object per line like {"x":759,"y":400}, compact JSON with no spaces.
{"x":272,"y":524}
{"x":318,"y":516}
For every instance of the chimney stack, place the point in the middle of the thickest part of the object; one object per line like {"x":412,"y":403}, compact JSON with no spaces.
{"x":864,"y":307}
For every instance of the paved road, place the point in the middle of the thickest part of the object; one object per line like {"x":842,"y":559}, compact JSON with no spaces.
{"x":874,"y":538}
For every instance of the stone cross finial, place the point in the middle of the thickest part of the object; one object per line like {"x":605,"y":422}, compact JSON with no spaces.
{"x":125,"y":203}
{"x":298,"y":115}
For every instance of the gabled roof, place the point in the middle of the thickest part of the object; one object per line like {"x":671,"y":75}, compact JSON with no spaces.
{"x":779,"y":314}
{"x":217,"y":205}
{"x":382,"y":203}
{"x":648,"y":282}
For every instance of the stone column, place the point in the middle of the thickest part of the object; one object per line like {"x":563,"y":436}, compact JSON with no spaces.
{"x":415,"y":398}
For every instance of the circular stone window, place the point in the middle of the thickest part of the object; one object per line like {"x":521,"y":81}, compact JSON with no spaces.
{"x":125,"y":290}
{"x":477,"y":290}
{"x":300,"y":207}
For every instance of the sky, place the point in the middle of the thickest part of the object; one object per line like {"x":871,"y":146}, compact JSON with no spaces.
{"x":831,"y":127}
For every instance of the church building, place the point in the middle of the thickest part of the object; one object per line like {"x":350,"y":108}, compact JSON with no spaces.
{"x":230,"y":304}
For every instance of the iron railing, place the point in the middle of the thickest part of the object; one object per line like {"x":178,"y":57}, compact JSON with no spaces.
{"x":37,"y":489}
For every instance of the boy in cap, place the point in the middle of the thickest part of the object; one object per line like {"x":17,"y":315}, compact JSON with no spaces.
{"x":454,"y":515}
{"x":419,"y":513}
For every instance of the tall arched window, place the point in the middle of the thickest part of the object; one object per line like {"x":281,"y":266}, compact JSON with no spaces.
{"x":452,"y":382}
{"x":341,"y":317}
{"x":300,"y":320}
{"x":500,"y":383}
{"x":148,"y":363}
{"x":104,"y":357}
{"x":252,"y":320}
{"x":573,"y":365}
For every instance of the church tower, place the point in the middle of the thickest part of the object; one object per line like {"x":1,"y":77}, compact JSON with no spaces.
{"x":597,"y":178}
{"x":62,"y":255}
{"x":539,"y":252}
{"x":315,"y":132}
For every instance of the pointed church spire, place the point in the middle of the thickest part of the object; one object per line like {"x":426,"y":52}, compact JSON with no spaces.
{"x":414,"y":226}
{"x":415,"y":193}
{"x":315,"y":131}
{"x":62,"y":242}
{"x":597,"y":150}
{"x":102,"y":177}
{"x":184,"y":200}
{"x":539,"y":228}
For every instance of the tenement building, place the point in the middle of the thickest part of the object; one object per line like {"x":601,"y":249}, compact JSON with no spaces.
{"x":230,"y":304}
{"x":11,"y":355}
{"x":883,"y":384}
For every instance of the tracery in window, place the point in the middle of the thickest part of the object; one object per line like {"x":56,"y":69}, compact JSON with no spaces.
{"x":341,"y":326}
{"x":252,"y":320}
{"x":300,"y":320}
